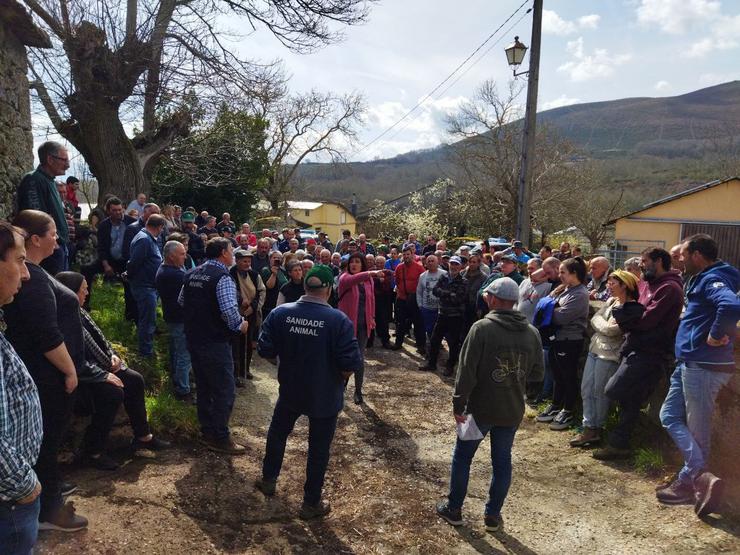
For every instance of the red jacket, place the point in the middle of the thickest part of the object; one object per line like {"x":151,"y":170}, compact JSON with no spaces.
{"x":407,"y":278}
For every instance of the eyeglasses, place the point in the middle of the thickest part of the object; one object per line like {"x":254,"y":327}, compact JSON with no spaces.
{"x":60,"y":158}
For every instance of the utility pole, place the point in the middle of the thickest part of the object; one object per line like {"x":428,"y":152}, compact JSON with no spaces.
{"x":530,"y":128}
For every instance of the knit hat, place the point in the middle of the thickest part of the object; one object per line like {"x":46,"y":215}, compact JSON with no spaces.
{"x":318,"y":277}
{"x":628,"y":278}
{"x":503,"y":288}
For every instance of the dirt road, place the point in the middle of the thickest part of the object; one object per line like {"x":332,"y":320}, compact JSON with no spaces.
{"x":390,"y":464}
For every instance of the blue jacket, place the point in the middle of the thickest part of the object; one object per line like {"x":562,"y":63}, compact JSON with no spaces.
{"x":145,"y":260}
{"x":314,"y":343}
{"x":712,"y":306}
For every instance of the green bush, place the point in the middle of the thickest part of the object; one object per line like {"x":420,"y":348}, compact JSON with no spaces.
{"x":648,"y":460}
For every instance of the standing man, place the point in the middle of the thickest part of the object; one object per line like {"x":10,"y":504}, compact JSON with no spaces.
{"x":38,"y":191}
{"x":704,"y":352}
{"x":196,"y":248}
{"x":137,"y":204}
{"x":142,"y":273}
{"x":596,"y":286}
{"x":346,"y":236}
{"x":429,"y":303}
{"x":250,"y":295}
{"x":407,"y":310}
{"x":226,"y":224}
{"x":261,"y":258}
{"x":500,"y":355}
{"x":317,"y":353}
{"x":212,"y":318}
{"x":363,"y":246}
{"x":169,"y":279}
{"x":451,"y":290}
{"x":20,"y":417}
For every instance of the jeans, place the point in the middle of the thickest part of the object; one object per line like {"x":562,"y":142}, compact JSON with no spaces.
{"x":179,"y":358}
{"x":595,"y":403}
{"x":146,"y":305}
{"x":687,"y":415}
{"x":320,"y":435}
{"x":429,"y":317}
{"x":502,"y":440}
{"x":19,"y":527}
{"x":213,"y":366}
{"x":564,"y":357}
{"x":449,"y":327}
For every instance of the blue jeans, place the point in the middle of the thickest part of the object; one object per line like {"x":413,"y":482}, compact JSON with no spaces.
{"x":596,"y":373}
{"x":146,"y":305}
{"x":687,"y":415}
{"x":179,"y":358}
{"x":19,"y":527}
{"x":320,"y":435}
{"x":213,"y":366}
{"x":502,"y":439}
{"x":429,"y":317}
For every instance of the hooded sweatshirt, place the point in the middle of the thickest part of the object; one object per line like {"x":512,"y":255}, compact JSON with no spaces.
{"x":500,"y":355}
{"x":663,"y":301}
{"x":712,"y":307}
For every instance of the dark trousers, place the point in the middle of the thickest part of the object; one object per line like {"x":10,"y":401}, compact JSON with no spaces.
{"x":100,"y":401}
{"x":213,"y":366}
{"x":631,"y":386}
{"x":383,"y":314}
{"x":242,"y":348}
{"x":448,"y":327}
{"x":320,"y":435}
{"x":56,"y":407}
{"x":407,"y":313}
{"x":564,"y":356}
{"x":119,"y":266}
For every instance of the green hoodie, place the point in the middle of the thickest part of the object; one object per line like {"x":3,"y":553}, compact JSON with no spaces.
{"x":501,"y":353}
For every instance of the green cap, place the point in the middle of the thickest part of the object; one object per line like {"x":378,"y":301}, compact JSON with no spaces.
{"x":318,"y":277}
{"x":188,"y":217}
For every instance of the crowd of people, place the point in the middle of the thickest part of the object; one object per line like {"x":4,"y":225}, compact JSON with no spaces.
{"x":519,"y":326}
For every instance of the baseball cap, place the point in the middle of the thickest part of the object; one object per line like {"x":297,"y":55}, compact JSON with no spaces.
{"x":188,"y":217}
{"x":311,"y":241}
{"x":503,"y":288}
{"x":455,"y":260}
{"x":509,"y":257}
{"x":318,"y":277}
{"x":241,"y":253}
{"x":518,"y":245}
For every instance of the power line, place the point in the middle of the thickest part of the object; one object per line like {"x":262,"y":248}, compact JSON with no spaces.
{"x":426,"y":97}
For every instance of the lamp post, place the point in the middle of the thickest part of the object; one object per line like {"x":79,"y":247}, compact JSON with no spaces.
{"x":515,"y":55}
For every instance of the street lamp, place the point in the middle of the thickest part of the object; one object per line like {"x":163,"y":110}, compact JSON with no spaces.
{"x":515,"y":56}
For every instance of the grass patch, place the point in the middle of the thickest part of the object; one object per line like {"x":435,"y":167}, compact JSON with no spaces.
{"x":649,"y":461}
{"x":166,"y":414}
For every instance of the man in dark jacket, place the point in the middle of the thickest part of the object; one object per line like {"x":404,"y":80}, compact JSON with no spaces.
{"x":38,"y":191}
{"x":452,"y":291}
{"x":250,"y":296}
{"x":317,"y":353}
{"x":705,"y":356}
{"x":196,"y":248}
{"x":500,"y":355}
{"x":647,"y":353}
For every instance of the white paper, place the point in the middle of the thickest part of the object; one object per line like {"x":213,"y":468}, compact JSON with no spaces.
{"x":468,"y":430}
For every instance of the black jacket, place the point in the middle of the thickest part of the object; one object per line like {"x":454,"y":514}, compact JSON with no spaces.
{"x":104,"y":241}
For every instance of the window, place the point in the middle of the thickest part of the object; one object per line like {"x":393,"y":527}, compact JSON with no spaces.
{"x":342,"y":217}
{"x":306,"y":212}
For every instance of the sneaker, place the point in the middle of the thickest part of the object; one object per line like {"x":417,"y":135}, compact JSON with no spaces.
{"x":267,"y":487}
{"x":67,"y":488}
{"x":709,"y":490}
{"x":589,"y":436}
{"x":562,"y":421}
{"x":65,"y":520}
{"x":358,"y":399}
{"x":322,"y":508}
{"x":548,"y":414}
{"x":239,"y":382}
{"x":227,"y":446}
{"x":100,"y":461}
{"x":426,"y":368}
{"x":610,"y":453}
{"x":452,"y":516}
{"x":677,"y":493}
{"x":494,"y":523}
{"x":154,"y":444}
{"x":667,"y":481}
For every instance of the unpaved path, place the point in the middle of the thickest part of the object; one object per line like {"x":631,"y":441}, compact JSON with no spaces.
{"x":390,"y":464}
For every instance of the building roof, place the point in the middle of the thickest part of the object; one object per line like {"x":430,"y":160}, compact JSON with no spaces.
{"x":675,"y":196}
{"x":303,"y":205}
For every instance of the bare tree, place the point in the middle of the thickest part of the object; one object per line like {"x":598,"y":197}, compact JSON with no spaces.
{"x":116,"y":64}
{"x":316,"y":123}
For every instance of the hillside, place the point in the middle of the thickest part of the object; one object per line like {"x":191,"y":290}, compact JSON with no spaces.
{"x":655,"y":142}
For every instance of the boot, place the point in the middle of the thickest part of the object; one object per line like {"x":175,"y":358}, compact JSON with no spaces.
{"x":589,"y":436}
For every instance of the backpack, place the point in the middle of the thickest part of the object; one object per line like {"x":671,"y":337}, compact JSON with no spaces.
{"x":543,"y":319}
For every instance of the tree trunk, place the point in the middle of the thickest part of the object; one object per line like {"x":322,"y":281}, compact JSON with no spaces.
{"x":111,"y":155}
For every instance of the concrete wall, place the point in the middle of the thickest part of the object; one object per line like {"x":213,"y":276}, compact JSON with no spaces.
{"x":16,"y":141}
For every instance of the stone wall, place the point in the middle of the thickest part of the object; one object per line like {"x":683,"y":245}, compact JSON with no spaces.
{"x":16,"y":140}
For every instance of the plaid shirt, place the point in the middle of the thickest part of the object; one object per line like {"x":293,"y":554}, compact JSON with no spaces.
{"x":20,"y":425}
{"x":226,"y":297}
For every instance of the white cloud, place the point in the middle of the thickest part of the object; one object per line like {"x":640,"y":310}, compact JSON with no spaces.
{"x":676,"y":16}
{"x":586,"y":66}
{"x":553,"y":24}
{"x":559,"y":102}
{"x":709,"y":79}
{"x":662,"y":86}
{"x":723,"y":35}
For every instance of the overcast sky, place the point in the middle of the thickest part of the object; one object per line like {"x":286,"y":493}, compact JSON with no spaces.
{"x":591,"y":51}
